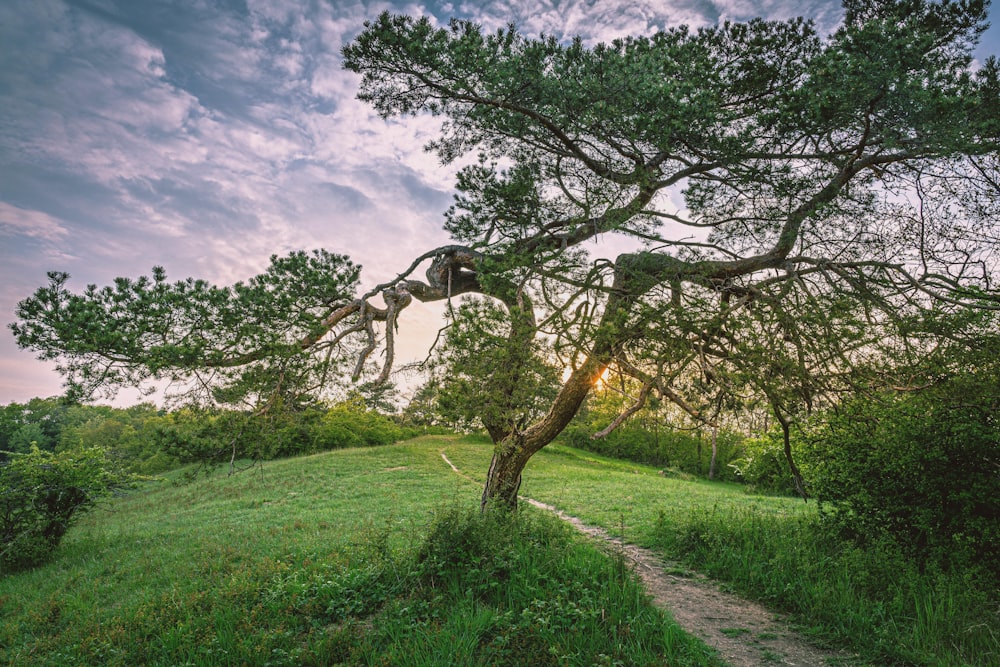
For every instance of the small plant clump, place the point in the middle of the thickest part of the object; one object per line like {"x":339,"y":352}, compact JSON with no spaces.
{"x":489,"y":589}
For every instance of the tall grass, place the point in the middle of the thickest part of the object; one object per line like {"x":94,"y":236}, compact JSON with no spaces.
{"x":352,"y":557}
{"x":873,"y":600}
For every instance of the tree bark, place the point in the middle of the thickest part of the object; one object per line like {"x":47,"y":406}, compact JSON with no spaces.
{"x":715,"y":452}
{"x":511,"y":454}
{"x":503,"y":481}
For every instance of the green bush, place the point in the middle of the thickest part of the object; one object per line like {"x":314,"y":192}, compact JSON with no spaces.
{"x":41,"y":493}
{"x":543,"y":597}
{"x":351,"y":424}
{"x":920,"y":467}
{"x":197,"y":435}
{"x":763,"y":466}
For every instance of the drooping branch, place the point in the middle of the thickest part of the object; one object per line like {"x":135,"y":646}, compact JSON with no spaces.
{"x":638,"y":404}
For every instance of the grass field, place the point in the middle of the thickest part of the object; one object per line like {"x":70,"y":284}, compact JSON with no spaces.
{"x":366,"y":556}
{"x":873,"y":602}
{"x":377,"y":557}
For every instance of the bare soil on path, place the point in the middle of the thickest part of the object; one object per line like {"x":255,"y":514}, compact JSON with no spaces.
{"x":743,"y":632}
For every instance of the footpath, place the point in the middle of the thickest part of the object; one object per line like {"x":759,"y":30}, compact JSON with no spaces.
{"x":743,"y":632}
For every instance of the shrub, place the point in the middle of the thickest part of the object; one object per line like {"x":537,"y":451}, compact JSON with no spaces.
{"x":919,"y":467}
{"x":351,"y":424}
{"x":41,"y":493}
{"x":763,"y":466}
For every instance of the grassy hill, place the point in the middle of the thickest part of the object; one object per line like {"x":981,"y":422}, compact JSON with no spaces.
{"x":364,"y":556}
{"x":379,"y":557}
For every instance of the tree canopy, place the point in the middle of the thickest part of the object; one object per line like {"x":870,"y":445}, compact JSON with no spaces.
{"x":799,"y":215}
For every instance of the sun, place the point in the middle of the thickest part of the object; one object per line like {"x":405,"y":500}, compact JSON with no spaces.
{"x":598,"y":383}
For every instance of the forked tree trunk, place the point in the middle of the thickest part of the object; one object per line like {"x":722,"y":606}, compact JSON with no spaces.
{"x":511,"y":454}
{"x":504,"y":478}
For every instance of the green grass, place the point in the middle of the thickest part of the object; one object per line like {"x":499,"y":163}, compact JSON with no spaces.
{"x":871,"y":601}
{"x":626,"y":497}
{"x":371,"y":557}
{"x":354,"y":557}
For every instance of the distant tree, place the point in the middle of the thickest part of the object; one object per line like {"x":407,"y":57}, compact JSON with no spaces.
{"x":800,"y":210}
{"x":39,"y":421}
{"x":421,"y":410}
{"x":380,"y":396}
{"x":27,"y":436}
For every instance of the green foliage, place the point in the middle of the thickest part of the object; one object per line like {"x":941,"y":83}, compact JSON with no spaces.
{"x":56,"y":424}
{"x":128,"y":435}
{"x":762,"y":465}
{"x":652,"y":436}
{"x":211,"y":436}
{"x":27,"y":436}
{"x":479,"y":377}
{"x":39,"y":421}
{"x":250,"y":333}
{"x":920,"y":468}
{"x":351,"y":423}
{"x":147,"y":440}
{"x":42,"y":493}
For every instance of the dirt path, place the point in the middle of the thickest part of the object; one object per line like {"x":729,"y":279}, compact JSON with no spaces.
{"x":744,"y":633}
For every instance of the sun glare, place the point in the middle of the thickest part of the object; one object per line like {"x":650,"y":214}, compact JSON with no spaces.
{"x":598,"y":383}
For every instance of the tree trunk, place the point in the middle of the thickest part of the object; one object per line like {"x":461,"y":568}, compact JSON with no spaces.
{"x":715,"y":452}
{"x":504,"y":477}
{"x":511,"y":454}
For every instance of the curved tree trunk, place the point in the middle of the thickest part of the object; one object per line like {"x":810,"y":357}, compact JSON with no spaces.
{"x":511,"y":454}
{"x":503,"y":480}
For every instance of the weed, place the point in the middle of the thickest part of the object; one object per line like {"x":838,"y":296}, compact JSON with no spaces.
{"x":734,"y":632}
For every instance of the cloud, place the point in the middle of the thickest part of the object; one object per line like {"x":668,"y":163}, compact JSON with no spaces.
{"x":205,"y":136}
{"x":33,"y":224}
{"x":603,"y":20}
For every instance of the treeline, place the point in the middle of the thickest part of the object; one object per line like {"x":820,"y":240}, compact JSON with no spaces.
{"x":200,"y":435}
{"x":58,"y":459}
{"x":149,"y":440}
{"x":698,"y":451}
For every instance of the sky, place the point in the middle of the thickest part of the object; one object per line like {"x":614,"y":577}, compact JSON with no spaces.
{"x":206,"y":135}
